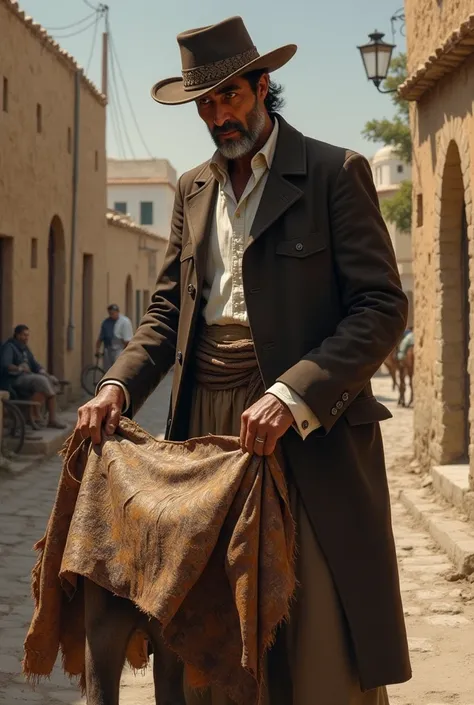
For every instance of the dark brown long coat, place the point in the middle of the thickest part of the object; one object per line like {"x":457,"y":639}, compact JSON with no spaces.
{"x":325,"y":306}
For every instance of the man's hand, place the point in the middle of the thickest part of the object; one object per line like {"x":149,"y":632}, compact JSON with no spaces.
{"x":102,"y":411}
{"x":263,"y":424}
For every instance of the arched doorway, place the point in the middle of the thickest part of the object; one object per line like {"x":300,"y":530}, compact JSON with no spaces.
{"x":129,"y":298}
{"x":56,"y":315}
{"x":454,"y":330}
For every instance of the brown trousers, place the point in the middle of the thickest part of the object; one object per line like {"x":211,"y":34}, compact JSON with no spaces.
{"x":311,"y":662}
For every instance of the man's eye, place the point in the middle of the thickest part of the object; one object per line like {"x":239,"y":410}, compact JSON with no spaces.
{"x":231,"y":95}
{"x":204,"y":101}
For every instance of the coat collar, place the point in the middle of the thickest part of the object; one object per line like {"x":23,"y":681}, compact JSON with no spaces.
{"x":279,"y":193}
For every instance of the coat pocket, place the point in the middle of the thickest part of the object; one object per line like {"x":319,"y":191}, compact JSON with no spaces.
{"x":303,"y":246}
{"x":366,"y":410}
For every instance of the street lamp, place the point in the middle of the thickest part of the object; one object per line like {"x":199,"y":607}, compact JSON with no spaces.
{"x":376,"y":57}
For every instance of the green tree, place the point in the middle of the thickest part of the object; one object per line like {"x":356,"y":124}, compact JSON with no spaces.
{"x":396,"y":133}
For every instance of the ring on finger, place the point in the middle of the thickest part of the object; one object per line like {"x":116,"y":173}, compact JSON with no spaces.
{"x":258,"y":439}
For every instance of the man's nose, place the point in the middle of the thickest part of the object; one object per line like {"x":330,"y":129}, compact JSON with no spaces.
{"x":221,"y":115}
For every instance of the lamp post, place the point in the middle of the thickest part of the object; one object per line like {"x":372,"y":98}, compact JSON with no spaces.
{"x":377,"y":54}
{"x":376,"y":57}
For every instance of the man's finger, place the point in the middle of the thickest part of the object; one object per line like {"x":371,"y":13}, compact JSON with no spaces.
{"x":260,"y":441}
{"x":270,"y":444}
{"x":95,"y":425}
{"x":250,"y":436}
{"x":112,"y":419}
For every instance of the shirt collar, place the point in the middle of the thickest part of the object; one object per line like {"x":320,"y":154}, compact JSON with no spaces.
{"x":263,"y":158}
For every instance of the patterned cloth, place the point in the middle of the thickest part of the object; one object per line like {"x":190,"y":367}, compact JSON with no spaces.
{"x":177,"y":528}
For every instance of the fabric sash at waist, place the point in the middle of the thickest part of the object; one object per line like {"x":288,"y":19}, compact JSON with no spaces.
{"x":225,"y":357}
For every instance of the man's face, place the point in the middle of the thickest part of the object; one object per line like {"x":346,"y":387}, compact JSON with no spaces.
{"x":23,"y":337}
{"x":235,"y":115}
{"x":114,"y":315}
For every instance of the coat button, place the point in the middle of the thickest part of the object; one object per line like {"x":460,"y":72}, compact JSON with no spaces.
{"x":179,"y":357}
{"x":345,"y":396}
{"x":334,"y":411}
{"x":192,"y":290}
{"x":299,"y":247}
{"x":304,"y":425}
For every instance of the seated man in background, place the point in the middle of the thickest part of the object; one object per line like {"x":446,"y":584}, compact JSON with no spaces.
{"x":22,"y":374}
{"x":115,"y":334}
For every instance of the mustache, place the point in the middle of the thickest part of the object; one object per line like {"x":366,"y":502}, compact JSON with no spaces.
{"x":228,"y":127}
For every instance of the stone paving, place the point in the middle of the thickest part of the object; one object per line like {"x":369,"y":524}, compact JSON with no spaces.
{"x":440,"y":613}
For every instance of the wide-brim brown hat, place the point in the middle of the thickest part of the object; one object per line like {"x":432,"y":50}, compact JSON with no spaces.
{"x":212,"y":55}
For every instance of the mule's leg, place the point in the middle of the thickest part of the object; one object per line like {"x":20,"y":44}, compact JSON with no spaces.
{"x":167,"y":670}
{"x":109,"y":623}
{"x":402,"y":385}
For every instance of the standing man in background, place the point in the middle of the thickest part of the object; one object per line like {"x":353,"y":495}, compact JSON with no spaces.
{"x":115,"y":334}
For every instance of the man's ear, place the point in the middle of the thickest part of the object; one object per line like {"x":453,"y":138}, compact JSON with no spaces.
{"x":263,"y":86}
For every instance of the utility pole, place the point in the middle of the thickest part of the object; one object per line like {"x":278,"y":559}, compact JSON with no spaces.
{"x":105,"y":49}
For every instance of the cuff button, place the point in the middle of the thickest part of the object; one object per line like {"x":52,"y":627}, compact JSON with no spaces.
{"x":304,"y":425}
{"x":334,"y":411}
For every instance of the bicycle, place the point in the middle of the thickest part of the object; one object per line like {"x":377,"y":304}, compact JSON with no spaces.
{"x":14,"y":428}
{"x":91,"y":376}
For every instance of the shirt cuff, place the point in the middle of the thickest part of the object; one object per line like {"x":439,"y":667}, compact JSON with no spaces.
{"x":305,"y":420}
{"x":126,"y":404}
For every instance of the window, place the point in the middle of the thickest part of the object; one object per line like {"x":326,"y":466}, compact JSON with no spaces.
{"x":146,"y":213}
{"x":419,"y":210}
{"x":39,"y":118}
{"x":400,"y":168}
{"x":120,"y":207}
{"x":5,"y":95}
{"x":34,"y":253}
{"x":69,"y":140}
{"x":96,"y":160}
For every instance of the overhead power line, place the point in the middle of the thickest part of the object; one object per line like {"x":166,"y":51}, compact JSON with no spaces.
{"x":79,"y":31}
{"x":114,"y":93}
{"x":115,"y":60}
{"x":94,"y":37}
{"x":70,"y":26}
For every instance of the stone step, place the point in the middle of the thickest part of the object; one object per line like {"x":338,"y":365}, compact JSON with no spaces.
{"x":452,"y":483}
{"x":454,"y":536}
{"x":48,"y":441}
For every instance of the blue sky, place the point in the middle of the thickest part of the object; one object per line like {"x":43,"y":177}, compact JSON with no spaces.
{"x":327,"y":94}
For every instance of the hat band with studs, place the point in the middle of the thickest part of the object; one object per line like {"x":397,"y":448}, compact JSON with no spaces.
{"x":212,"y":73}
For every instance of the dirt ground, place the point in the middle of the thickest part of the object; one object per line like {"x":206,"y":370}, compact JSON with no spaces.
{"x":439,"y":613}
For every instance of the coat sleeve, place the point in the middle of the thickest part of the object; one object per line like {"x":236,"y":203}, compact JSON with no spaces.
{"x":374,"y":305}
{"x":151,"y":352}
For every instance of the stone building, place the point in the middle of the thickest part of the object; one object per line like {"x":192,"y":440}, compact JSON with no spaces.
{"x":440,"y":86}
{"x":61,"y":258}
{"x":143,"y":189}
{"x":389,"y":171}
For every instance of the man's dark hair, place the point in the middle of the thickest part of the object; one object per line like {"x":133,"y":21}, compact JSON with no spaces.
{"x":20,"y":329}
{"x":274,"y":101}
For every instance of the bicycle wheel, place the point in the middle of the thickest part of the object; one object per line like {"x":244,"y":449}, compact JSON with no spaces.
{"x":13,"y":429}
{"x":90,"y":378}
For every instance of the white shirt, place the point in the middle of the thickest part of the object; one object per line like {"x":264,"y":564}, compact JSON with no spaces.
{"x":123,"y":330}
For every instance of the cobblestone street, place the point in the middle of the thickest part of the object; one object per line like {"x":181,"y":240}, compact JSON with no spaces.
{"x":440,"y":613}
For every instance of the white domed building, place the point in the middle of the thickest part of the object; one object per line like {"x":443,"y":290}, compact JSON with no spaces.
{"x":389,"y":171}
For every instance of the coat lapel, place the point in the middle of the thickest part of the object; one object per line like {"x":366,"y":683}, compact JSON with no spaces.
{"x":200,"y":205}
{"x":280,"y":193}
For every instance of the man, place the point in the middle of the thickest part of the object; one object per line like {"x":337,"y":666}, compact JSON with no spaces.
{"x":278,"y":300}
{"x":115,"y":334}
{"x":22,"y":373}
{"x":407,"y":342}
